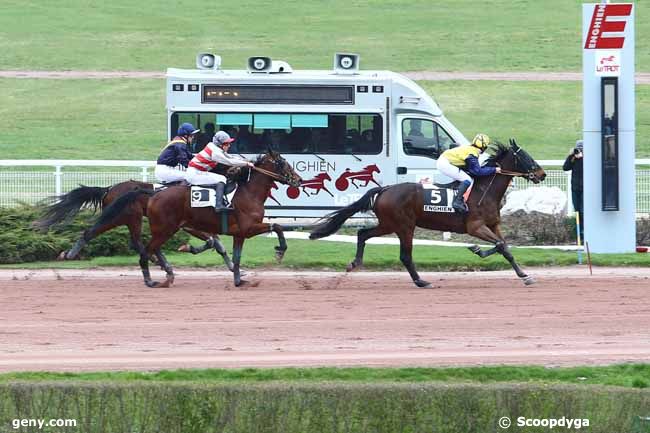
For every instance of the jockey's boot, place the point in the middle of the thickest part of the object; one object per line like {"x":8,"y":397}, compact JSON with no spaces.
{"x":218,"y":202}
{"x":459,"y":204}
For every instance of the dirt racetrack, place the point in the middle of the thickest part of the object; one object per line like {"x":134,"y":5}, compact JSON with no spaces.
{"x":107,"y":319}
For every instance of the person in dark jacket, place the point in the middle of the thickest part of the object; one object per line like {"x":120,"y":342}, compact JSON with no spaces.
{"x":573,"y":163}
{"x":173,"y":160}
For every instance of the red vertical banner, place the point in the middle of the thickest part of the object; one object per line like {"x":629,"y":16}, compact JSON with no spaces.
{"x":600,"y":25}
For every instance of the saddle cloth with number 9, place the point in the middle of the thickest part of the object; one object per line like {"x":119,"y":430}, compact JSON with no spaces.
{"x":437,"y":199}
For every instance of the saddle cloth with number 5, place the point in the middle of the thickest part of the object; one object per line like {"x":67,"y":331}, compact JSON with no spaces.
{"x":437,"y":199}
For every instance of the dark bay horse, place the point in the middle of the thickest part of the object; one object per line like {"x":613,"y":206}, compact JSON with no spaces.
{"x":67,"y":206}
{"x":169,"y":211}
{"x":400,"y":208}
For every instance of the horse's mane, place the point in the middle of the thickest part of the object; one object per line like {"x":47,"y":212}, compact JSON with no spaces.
{"x":496,"y":148}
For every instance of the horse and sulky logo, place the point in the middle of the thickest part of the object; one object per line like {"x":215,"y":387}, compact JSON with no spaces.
{"x":317,"y":183}
{"x":602,"y":24}
{"x":313,"y":186}
{"x":365,"y":175}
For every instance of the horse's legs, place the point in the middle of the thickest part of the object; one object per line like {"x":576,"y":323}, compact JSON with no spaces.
{"x":504,"y":249}
{"x":482,"y":254}
{"x":135,"y":230}
{"x":362,"y":236}
{"x":483,"y":232}
{"x":164,"y":265}
{"x":158,"y":238}
{"x":144,"y":267}
{"x":406,"y":256}
{"x":237,"y":246}
{"x":86,"y":237}
{"x":282,"y":248}
{"x":210,"y":242}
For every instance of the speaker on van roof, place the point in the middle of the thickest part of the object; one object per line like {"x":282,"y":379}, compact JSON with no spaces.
{"x":208,"y":61}
{"x":346,"y":63}
{"x":259,"y":64}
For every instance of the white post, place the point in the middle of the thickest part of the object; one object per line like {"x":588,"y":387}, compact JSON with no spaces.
{"x":144,"y":174}
{"x":57,"y":180}
{"x":569,"y":195}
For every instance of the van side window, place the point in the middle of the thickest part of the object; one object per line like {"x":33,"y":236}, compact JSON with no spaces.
{"x":293,"y":133}
{"x":424,"y":138}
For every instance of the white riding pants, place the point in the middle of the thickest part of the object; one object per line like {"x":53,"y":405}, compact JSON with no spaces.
{"x":448,"y":169}
{"x":198,"y":177}
{"x":165,"y":173}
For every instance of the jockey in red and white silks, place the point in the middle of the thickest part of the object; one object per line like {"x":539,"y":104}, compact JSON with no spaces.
{"x":198,"y":171}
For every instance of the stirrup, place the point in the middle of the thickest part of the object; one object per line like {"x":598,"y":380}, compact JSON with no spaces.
{"x":461,"y":210}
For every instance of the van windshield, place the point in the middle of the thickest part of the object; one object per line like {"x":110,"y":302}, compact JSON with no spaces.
{"x":289,"y":133}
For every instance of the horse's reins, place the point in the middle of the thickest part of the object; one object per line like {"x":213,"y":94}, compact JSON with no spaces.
{"x":513,"y":173}
{"x":505,"y":173}
{"x":270,"y":174}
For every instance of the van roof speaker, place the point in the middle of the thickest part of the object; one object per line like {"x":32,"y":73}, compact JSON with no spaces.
{"x":208,"y":61}
{"x":346,"y":63}
{"x":259,"y":64}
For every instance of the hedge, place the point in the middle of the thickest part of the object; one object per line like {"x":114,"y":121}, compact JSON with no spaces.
{"x":321,"y":407}
{"x":22,"y":243}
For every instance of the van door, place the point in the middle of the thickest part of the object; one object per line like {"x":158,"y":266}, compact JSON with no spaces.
{"x":420,"y":141}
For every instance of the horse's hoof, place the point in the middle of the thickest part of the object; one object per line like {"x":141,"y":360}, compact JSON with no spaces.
{"x":422,"y":284}
{"x":279,"y":256}
{"x":475,"y":249}
{"x":351,"y":267}
{"x":152,"y":284}
{"x":61,"y":256}
{"x":529,"y":281}
{"x":164,"y":285}
{"x":185,"y":248}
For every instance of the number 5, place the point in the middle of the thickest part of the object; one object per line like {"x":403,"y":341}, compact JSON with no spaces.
{"x":435,"y":196}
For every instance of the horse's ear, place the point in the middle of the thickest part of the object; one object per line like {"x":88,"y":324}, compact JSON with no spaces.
{"x":513,"y":144}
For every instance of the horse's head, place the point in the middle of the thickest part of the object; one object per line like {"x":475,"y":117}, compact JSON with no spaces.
{"x":273,"y":162}
{"x":513,"y":158}
{"x":372,"y":168}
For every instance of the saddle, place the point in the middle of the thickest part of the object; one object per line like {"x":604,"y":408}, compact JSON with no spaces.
{"x":159,"y":186}
{"x":451,"y":185}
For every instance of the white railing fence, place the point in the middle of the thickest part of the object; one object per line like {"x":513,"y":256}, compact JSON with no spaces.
{"x":29,"y":181}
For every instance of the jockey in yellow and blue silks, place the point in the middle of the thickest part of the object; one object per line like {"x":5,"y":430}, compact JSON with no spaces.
{"x":459,"y":161}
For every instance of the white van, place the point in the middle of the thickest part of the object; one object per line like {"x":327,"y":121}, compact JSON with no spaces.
{"x":344,"y":130}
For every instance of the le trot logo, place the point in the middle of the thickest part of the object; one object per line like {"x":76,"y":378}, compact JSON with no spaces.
{"x":607,"y":18}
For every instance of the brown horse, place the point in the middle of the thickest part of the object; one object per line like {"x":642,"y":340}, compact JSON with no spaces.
{"x":400,"y":208}
{"x":68,"y":206}
{"x":169,"y":211}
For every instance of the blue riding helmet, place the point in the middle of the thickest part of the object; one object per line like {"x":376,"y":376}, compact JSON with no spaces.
{"x":187,"y":129}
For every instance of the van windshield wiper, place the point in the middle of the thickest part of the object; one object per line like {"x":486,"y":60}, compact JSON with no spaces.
{"x":355,"y":156}
{"x":318,"y":156}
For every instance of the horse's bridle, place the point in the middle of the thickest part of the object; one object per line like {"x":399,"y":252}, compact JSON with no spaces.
{"x":530,"y":175}
{"x":273,"y":175}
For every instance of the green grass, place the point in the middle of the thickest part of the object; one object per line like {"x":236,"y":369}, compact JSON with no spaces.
{"x":303,"y":254}
{"x":626,"y":375}
{"x":494,"y":35}
{"x":126,"y":119}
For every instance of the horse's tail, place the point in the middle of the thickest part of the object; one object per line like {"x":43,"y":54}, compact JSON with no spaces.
{"x":68,"y":205}
{"x":332,"y":222}
{"x":115,"y":209}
